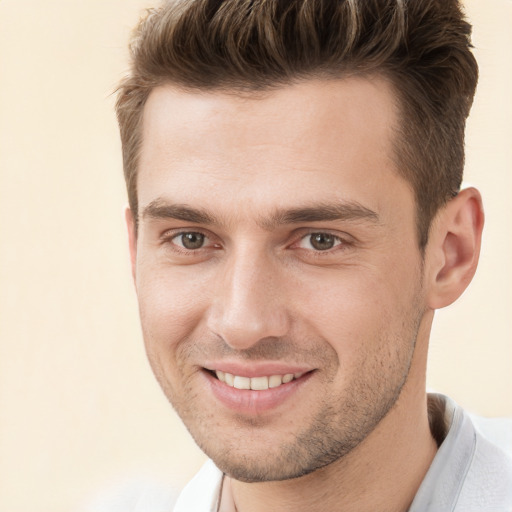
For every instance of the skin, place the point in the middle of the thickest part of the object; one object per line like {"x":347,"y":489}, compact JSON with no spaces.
{"x":259,"y":296}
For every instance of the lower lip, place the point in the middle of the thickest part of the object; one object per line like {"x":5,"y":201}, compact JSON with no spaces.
{"x":246,"y":401}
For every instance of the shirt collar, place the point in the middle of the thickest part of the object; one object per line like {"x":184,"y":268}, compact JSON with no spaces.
{"x":443,"y":482}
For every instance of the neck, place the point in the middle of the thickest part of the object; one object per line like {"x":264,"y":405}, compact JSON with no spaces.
{"x":382,"y":473}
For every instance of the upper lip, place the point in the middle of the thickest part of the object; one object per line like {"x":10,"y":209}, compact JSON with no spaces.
{"x":256,"y":369}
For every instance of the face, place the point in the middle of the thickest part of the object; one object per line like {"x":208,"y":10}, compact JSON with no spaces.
{"x":277,"y":269}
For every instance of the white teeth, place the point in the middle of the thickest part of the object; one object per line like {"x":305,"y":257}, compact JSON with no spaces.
{"x":256,"y":383}
{"x":259,"y":383}
{"x":229,"y":379}
{"x":275,"y":381}
{"x":242,"y":382}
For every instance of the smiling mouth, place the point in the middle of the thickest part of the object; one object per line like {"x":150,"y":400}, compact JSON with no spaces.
{"x":255,"y":383}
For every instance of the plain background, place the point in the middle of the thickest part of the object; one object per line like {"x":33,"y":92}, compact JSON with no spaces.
{"x":79,"y":407}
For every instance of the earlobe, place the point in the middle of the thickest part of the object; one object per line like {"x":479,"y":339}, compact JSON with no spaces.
{"x":454,"y":247}
{"x":132,"y":238}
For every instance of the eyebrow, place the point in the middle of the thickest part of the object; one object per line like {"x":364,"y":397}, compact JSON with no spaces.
{"x":346,"y":211}
{"x":321,"y":212}
{"x":159,"y":209}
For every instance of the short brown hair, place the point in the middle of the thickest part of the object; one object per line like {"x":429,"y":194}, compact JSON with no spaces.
{"x":421,"y":46}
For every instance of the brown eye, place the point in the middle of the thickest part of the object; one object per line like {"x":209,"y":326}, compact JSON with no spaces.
{"x":190,"y":240}
{"x":322,"y":241}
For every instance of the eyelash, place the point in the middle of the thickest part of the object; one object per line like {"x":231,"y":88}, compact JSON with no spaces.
{"x":340,"y":243}
{"x":336,"y":240}
{"x":169,"y":236}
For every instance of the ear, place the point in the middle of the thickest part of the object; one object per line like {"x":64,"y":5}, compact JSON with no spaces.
{"x":454,"y":247}
{"x":132,"y":238}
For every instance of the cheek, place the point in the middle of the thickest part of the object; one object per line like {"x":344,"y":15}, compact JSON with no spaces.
{"x":346,"y":298}
{"x":170,"y":311}
{"x":361,"y":310}
{"x":171,"y":305}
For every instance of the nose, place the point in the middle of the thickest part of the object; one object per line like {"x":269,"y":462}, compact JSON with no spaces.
{"x":249,"y":301}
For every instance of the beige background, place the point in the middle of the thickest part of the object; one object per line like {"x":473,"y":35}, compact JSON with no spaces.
{"x":79,"y":409}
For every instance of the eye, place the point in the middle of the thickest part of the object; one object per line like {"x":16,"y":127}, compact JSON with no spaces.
{"x":190,"y":240}
{"x":319,"y":241}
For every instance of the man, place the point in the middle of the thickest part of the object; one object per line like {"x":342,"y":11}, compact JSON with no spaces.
{"x":296,"y":217}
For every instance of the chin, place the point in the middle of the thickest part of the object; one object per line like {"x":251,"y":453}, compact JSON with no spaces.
{"x":300,"y":457}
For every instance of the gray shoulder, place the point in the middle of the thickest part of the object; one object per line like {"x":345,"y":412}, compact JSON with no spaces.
{"x":488,"y":484}
{"x":497,"y":430}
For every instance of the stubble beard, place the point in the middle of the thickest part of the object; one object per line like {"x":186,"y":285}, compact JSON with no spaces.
{"x":332,"y":434}
{"x":338,"y":426}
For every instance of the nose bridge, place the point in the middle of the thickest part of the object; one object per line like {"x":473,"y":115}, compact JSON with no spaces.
{"x":249,"y":304}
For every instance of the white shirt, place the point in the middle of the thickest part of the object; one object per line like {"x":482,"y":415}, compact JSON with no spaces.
{"x":468,"y":474}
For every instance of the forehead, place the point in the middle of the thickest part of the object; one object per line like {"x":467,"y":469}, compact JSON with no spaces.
{"x":306,"y":141}
{"x":313,"y":110}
